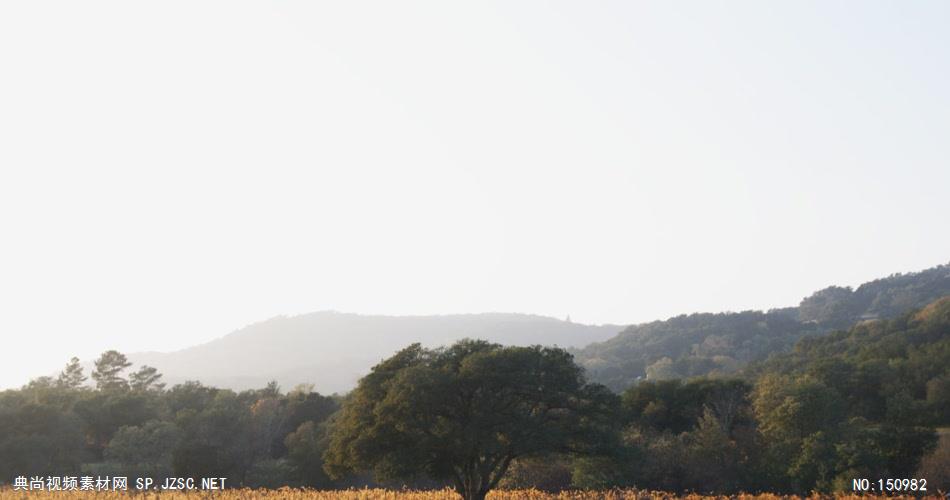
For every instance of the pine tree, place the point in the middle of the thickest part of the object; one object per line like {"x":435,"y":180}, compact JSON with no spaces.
{"x":146,"y":378}
{"x":71,"y":377}
{"x":108,"y":367}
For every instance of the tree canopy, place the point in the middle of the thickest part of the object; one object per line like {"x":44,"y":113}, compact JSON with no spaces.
{"x":108,"y":371}
{"x":861,"y":402}
{"x":723,"y":344}
{"x":462,"y":414}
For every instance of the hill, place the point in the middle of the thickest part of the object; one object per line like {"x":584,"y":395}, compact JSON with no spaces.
{"x":861,"y":402}
{"x":715,"y":344}
{"x":333,"y":350}
{"x":882,"y":368}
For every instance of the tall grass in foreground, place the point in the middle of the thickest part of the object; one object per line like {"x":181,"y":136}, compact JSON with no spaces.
{"x":380,"y":494}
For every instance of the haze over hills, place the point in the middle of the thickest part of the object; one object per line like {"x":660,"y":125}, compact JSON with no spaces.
{"x":332,"y":350}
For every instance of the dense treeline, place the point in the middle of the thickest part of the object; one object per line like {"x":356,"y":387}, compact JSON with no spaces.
{"x":135,"y":427}
{"x":725,"y":343}
{"x":691,"y":346}
{"x":840,"y":307}
{"x":860,"y":403}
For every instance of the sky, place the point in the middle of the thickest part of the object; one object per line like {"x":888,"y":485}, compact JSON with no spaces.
{"x":171,"y":171}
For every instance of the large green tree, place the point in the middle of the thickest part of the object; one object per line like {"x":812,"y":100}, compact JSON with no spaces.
{"x":462,"y":414}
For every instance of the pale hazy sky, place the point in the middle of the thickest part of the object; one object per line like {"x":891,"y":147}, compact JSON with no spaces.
{"x":171,"y":171}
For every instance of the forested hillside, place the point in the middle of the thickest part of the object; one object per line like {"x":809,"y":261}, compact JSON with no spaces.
{"x":857,"y":403}
{"x":715,"y":344}
{"x":860,"y":403}
{"x":897,"y":369}
{"x":332,"y":350}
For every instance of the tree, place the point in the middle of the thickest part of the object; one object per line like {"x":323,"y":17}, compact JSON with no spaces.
{"x":462,"y":414}
{"x":677,"y":406}
{"x":267,"y":420}
{"x":145,"y":379}
{"x":108,"y":367}
{"x":39,"y":438}
{"x":662,"y":369}
{"x":545,"y":473}
{"x":792,"y":410}
{"x":105,"y":412}
{"x":936,"y":466}
{"x":144,"y":450}
{"x":305,"y":448}
{"x":712,"y":458}
{"x":71,"y":377}
{"x":215,"y":441}
{"x":801,"y":419}
{"x":190,"y":395}
{"x":938,"y":397}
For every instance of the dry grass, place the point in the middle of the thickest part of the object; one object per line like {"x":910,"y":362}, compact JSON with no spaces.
{"x":379,"y":494}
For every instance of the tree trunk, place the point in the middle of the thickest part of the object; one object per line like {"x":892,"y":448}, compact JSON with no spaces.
{"x":473,"y":494}
{"x":471,"y":488}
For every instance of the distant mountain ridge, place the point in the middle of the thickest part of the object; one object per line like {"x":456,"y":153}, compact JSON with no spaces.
{"x":840,"y":307}
{"x":332,"y":350}
{"x":712,"y":344}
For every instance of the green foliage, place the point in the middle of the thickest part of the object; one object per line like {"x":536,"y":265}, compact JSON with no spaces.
{"x":105,"y":412}
{"x":462,"y":414}
{"x":72,"y":376}
{"x":134,"y":428}
{"x":714,"y":457}
{"x":603,"y":472}
{"x":209,"y":447}
{"x":690,"y":346}
{"x":146,"y":379}
{"x":935,"y":466}
{"x":696,"y":435}
{"x":270,"y":473}
{"x":857,"y":403}
{"x":723,"y":344}
{"x":38,"y":436}
{"x":840,"y":307}
{"x":676,"y":406}
{"x":305,"y":449}
{"x":109,"y":366}
{"x":881,"y":370}
{"x":144,"y":451}
{"x":190,"y":395}
{"x":862,"y":402}
{"x":546,"y":473}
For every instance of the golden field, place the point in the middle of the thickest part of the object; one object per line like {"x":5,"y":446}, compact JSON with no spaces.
{"x":380,"y":494}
